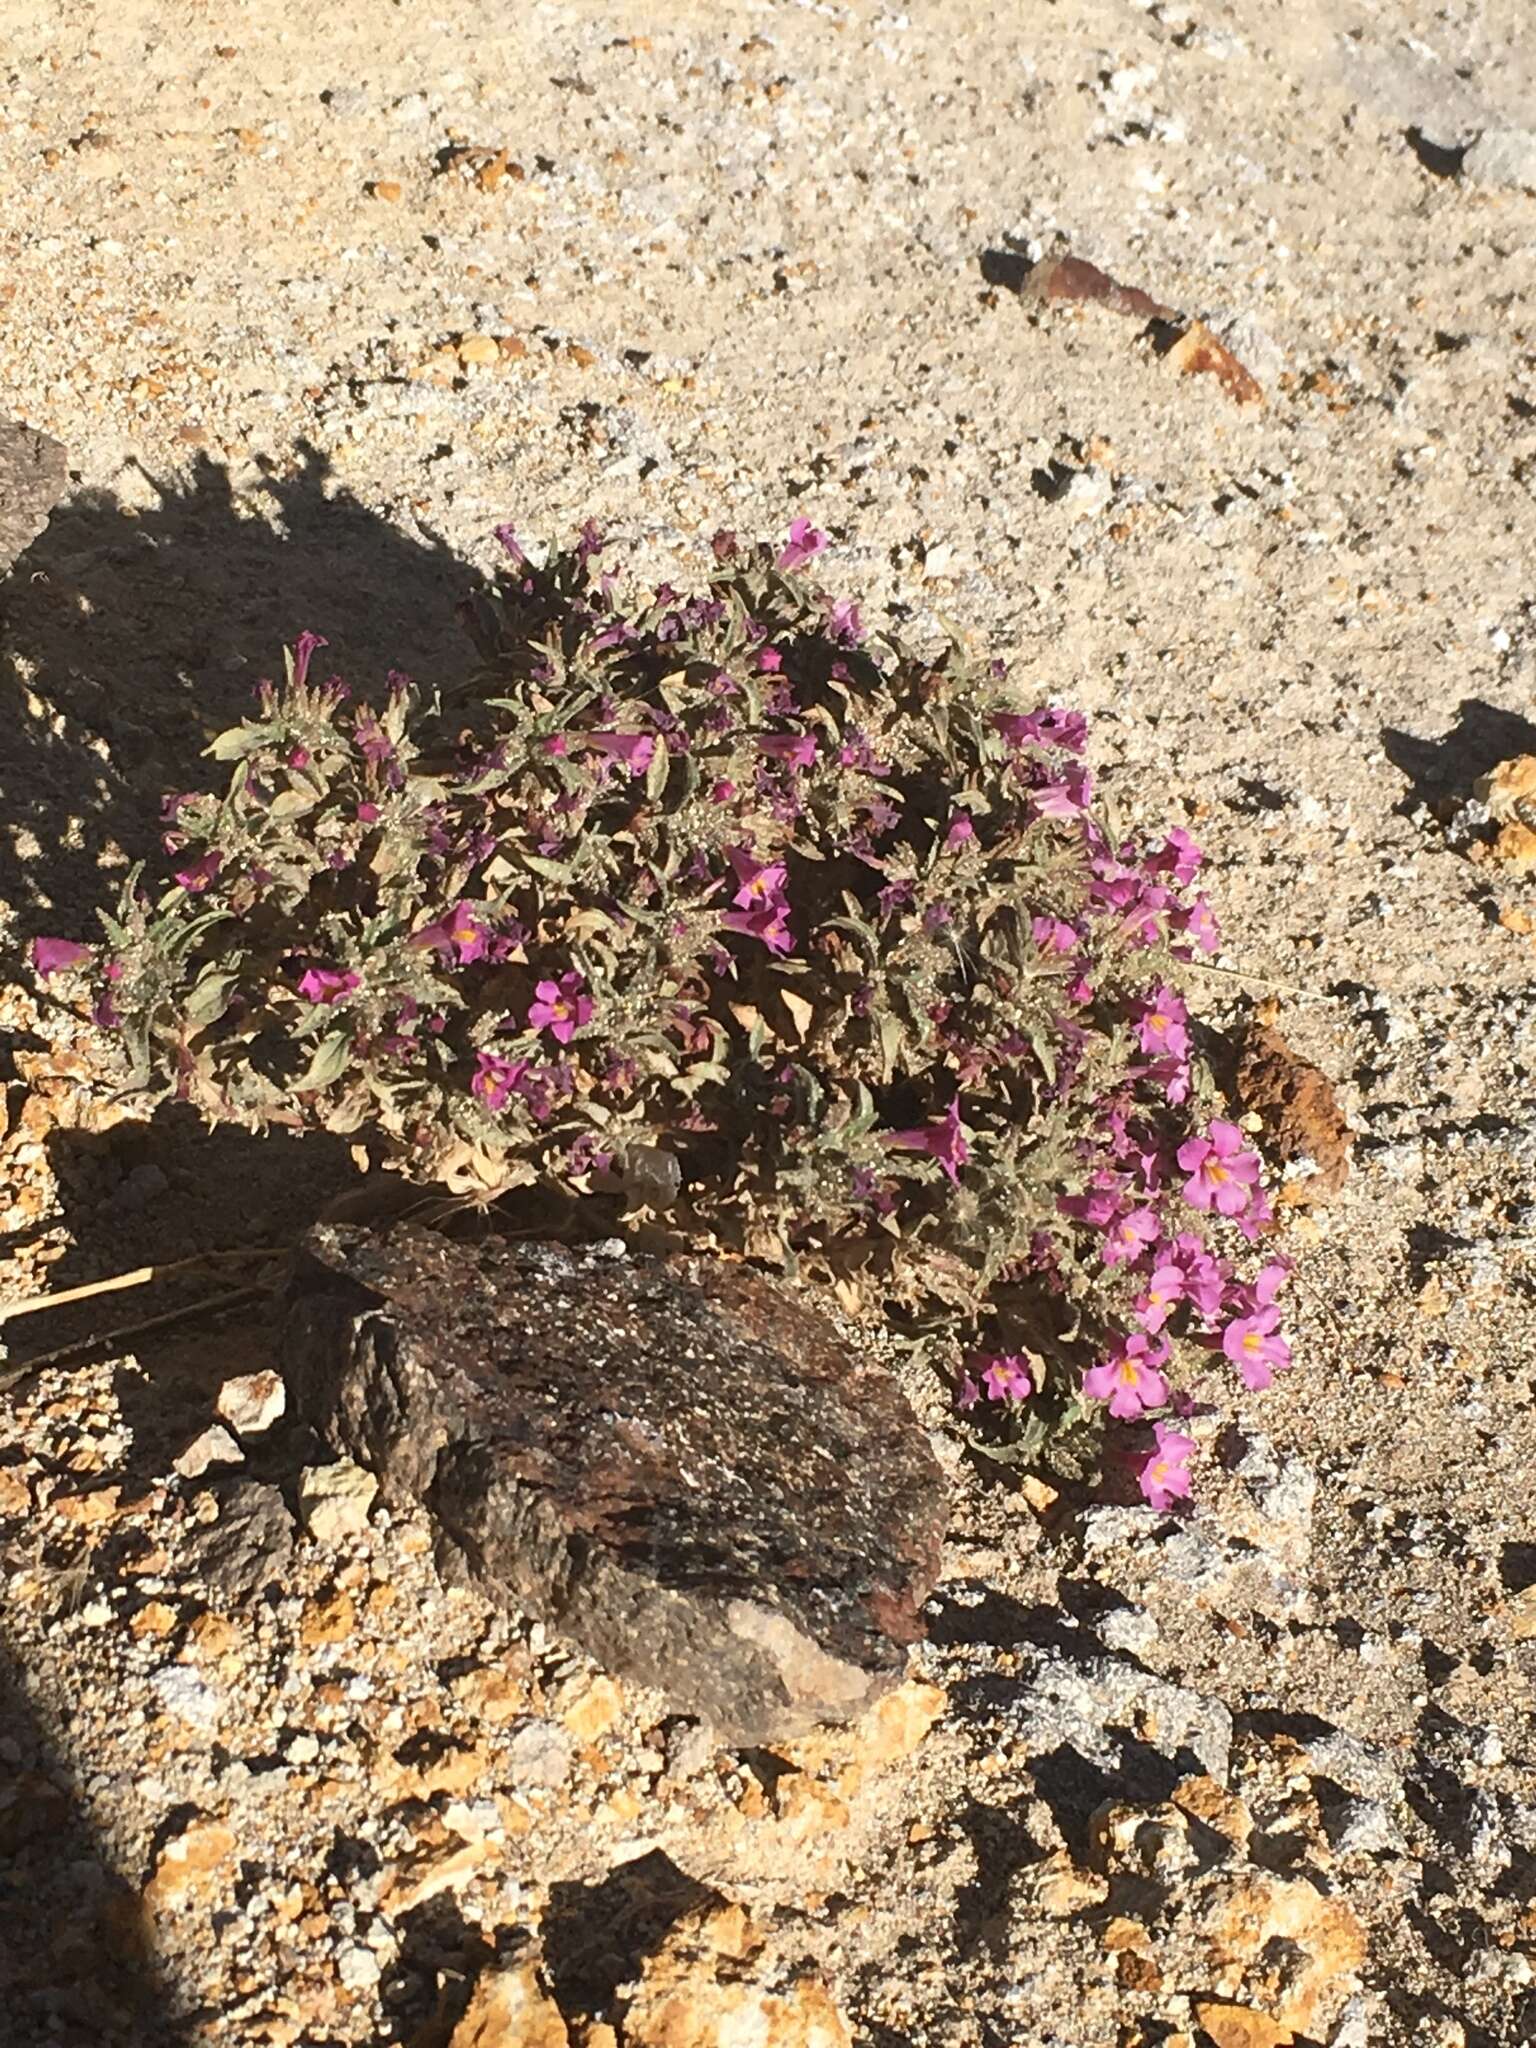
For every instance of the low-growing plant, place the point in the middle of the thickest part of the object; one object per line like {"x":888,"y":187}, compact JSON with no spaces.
{"x":779,"y":936}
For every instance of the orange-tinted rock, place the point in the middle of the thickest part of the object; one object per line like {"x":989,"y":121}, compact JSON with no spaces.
{"x":713,"y":1982}
{"x":1239,"y":2026}
{"x":1282,"y":1945}
{"x":509,"y":2008}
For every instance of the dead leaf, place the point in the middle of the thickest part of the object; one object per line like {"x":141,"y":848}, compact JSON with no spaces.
{"x":1197,"y":352}
{"x":1299,"y":1111}
{"x":1079,"y":282}
{"x":802,"y":1014}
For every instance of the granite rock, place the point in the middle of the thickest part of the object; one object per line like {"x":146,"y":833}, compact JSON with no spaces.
{"x":678,"y":1463}
{"x":33,"y":478}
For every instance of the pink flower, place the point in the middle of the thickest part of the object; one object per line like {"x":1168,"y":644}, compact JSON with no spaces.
{"x":1129,"y":1379}
{"x":1256,"y":1348}
{"x":1161,"y":1024}
{"x":1172,"y":1076}
{"x":1269,"y":1280}
{"x":769,"y":660}
{"x":961,"y":831}
{"x":562,"y":1007}
{"x":1129,"y":1237}
{"x":722,"y":792}
{"x":1164,"y":1475}
{"x":635,"y":749}
{"x":805,"y":543}
{"x":1203,"y":1278}
{"x":1053,"y":935}
{"x":1047,"y":728}
{"x":496,"y":1078}
{"x":327,"y":984}
{"x":196,"y":876}
{"x":1098,"y":1203}
{"x":1223,"y":1173}
{"x":1177,"y":856}
{"x":1199,"y":924}
{"x":367,"y":814}
{"x":760,"y":882}
{"x":1006,"y":1378}
{"x":1162,"y":1294}
{"x":769,"y":923}
{"x":797,"y":750}
{"x":57,"y":956}
{"x":944,"y":1141}
{"x":1065,"y":799}
{"x":844,"y":623}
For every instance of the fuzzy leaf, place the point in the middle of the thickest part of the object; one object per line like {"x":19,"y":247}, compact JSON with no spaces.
{"x":328,"y":1062}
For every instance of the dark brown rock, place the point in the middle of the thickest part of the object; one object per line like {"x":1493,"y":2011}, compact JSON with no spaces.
{"x":33,"y":478}
{"x":677,"y":1463}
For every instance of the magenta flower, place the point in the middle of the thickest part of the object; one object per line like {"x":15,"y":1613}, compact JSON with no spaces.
{"x":495,"y":1079}
{"x":722,"y":792}
{"x":769,"y":923}
{"x":1164,"y":1475}
{"x":327,"y":984}
{"x":1129,"y":1379}
{"x":196,"y":876}
{"x":868,"y":1187}
{"x":373,"y":742}
{"x":1161,"y":1295}
{"x":1129,"y":1236}
{"x":562,"y":1007}
{"x":367,"y":814}
{"x":962,"y":829}
{"x":1256,"y":1348}
{"x":303,"y":653}
{"x":1162,"y":1024}
{"x":797,"y":750}
{"x":805,"y":544}
{"x":1223,"y":1173}
{"x":57,"y":956}
{"x":459,"y":932}
{"x":636,"y":750}
{"x":1006,"y":1378}
{"x":761,"y":882}
{"x":944,"y":1141}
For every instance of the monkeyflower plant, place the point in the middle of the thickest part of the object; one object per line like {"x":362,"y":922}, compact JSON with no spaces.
{"x":748,"y":927}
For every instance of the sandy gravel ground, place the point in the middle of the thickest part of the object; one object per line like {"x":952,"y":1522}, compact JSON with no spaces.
{"x":314,"y":298}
